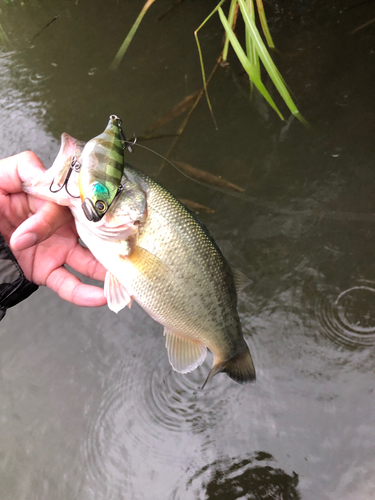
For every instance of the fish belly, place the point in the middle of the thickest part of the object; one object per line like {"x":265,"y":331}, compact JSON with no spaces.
{"x":188,"y":289}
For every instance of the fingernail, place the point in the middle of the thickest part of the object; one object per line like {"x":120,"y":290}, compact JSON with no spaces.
{"x":24,"y":241}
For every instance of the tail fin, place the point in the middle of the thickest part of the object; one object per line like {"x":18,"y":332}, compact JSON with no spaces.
{"x":239,"y":368}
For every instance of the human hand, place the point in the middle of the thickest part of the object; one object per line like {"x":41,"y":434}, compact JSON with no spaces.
{"x":43,"y":237}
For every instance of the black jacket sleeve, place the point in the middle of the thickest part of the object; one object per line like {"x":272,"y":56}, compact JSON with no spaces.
{"x":14,"y":287}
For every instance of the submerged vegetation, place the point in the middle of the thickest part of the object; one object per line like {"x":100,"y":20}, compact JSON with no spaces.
{"x":251,"y":57}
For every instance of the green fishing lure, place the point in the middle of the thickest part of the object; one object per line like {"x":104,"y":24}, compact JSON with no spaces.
{"x":102,"y":165}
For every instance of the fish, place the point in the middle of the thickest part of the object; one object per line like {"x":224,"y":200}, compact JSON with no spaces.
{"x":159,"y":254}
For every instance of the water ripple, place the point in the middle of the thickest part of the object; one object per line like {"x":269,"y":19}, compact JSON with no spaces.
{"x":37,"y":77}
{"x":134,"y":420}
{"x":176,"y":402}
{"x":348,"y":317}
{"x":102,"y":449}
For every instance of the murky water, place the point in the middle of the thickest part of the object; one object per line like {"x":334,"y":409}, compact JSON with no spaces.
{"x":90,"y":407}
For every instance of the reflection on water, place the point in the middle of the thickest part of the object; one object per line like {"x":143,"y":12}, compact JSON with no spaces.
{"x":248,"y":479}
{"x":91,"y":408}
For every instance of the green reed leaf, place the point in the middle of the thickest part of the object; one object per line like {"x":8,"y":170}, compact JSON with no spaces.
{"x":248,"y":67}
{"x":125,"y":44}
{"x":232,"y":10}
{"x":263,"y":22}
{"x":268,"y":62}
{"x":201,"y":57}
{"x":251,"y":52}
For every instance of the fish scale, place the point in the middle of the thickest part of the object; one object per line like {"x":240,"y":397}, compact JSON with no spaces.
{"x":197,"y":296}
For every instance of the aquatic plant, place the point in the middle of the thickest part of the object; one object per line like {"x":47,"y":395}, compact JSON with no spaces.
{"x":129,"y":37}
{"x":251,"y":57}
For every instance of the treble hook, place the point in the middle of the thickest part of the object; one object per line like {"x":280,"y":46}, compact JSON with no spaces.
{"x":127,"y":144}
{"x":75,"y":165}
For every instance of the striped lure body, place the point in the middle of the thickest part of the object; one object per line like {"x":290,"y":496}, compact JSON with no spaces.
{"x":102,"y":165}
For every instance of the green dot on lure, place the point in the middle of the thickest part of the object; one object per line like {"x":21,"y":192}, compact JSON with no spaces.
{"x":102,"y":165}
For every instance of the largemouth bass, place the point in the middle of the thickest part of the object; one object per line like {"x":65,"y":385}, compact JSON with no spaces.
{"x":159,"y":254}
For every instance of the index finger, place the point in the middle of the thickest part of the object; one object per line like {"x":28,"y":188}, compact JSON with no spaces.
{"x":17,"y":169}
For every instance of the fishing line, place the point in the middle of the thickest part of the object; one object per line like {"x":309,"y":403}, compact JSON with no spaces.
{"x":129,"y":144}
{"x":269,"y":206}
{"x":216,"y":188}
{"x":251,"y":199}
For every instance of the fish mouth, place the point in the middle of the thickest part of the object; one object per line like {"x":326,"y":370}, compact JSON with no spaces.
{"x":89,"y":210}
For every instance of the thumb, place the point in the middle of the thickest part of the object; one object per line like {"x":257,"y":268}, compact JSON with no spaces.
{"x":40,"y":226}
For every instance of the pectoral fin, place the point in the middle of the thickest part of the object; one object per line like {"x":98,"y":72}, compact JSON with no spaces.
{"x":185,"y":355}
{"x":116,"y":294}
{"x":147,"y":263}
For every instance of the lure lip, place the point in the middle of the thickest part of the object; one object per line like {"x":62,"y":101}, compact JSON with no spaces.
{"x":89,"y":211}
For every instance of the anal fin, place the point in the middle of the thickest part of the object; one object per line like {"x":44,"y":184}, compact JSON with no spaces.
{"x":184,"y":354}
{"x":116,"y":294}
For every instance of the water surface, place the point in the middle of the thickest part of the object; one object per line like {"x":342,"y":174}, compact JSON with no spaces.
{"x":90,"y":407}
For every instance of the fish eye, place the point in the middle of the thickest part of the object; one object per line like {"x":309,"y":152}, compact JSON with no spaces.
{"x":100,"y":206}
